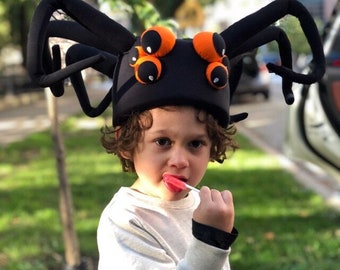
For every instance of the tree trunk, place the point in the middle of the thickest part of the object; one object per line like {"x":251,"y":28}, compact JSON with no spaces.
{"x":72,"y":253}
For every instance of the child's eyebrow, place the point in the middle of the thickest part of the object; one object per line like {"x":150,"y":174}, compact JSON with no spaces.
{"x":199,"y":136}
{"x":158,"y":131}
{"x":166,"y":132}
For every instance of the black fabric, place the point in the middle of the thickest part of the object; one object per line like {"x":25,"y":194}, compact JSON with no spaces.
{"x":213,"y":236}
{"x":182,"y":82}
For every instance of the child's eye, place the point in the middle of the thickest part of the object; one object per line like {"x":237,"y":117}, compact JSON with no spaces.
{"x":196,"y":144}
{"x":163,"y":142}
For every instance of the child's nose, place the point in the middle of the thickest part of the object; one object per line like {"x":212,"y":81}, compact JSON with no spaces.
{"x":178,"y":158}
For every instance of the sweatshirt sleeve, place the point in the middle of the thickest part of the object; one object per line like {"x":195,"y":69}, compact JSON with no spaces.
{"x":210,"y":248}
{"x":202,"y":256}
{"x":213,"y":236}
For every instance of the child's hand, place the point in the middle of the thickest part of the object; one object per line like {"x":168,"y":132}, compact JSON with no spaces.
{"x":216,"y":209}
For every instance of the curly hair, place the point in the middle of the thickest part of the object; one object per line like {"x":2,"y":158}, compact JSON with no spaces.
{"x":117,"y":140}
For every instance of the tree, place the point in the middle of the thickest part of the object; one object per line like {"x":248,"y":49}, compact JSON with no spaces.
{"x":292,"y":28}
{"x":15,"y":16}
{"x":71,"y":244}
{"x":145,"y":13}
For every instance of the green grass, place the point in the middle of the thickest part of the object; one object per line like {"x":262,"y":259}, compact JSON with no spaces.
{"x":282,"y":225}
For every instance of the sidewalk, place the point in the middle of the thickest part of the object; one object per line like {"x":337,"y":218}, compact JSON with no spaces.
{"x":17,"y":123}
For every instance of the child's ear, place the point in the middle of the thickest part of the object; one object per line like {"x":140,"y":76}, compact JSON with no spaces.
{"x":126,"y":154}
{"x":117,"y":132}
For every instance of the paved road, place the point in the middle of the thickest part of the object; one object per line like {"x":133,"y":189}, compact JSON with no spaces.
{"x":266,"y":119}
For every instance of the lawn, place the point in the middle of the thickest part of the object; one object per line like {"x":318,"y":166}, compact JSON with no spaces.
{"x":282,"y":225}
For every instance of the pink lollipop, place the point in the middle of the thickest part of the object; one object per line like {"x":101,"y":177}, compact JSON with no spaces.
{"x":176,"y":184}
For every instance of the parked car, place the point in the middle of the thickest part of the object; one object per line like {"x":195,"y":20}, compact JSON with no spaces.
{"x":313,"y":130}
{"x":254,"y":79}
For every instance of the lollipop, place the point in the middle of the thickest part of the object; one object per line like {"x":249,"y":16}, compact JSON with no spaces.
{"x":176,"y":184}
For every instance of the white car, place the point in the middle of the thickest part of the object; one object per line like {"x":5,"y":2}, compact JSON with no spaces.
{"x":313,"y":128}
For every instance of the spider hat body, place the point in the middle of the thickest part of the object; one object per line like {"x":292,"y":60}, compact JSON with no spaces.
{"x":158,"y":69}
{"x":181,"y":79}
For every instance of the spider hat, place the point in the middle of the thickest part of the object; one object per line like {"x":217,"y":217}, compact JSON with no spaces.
{"x":161,"y":70}
{"x":156,"y":68}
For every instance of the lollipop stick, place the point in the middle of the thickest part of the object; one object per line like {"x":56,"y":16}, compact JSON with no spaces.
{"x":191,"y":187}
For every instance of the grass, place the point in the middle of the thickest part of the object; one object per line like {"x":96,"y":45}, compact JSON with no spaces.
{"x":282,"y":225}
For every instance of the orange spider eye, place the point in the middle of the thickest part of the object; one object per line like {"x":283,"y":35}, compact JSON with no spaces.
{"x":158,"y":41}
{"x":136,"y":54}
{"x":217,"y":75}
{"x":147,"y":69}
{"x":210,"y":46}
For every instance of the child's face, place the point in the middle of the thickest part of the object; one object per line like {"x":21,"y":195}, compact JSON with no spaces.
{"x":176,"y":144}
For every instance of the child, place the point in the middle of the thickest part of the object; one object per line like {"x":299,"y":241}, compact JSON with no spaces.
{"x":152,"y":224}
{"x":171,"y":101}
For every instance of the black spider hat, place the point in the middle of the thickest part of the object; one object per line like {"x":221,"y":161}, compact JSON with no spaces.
{"x":150,"y":76}
{"x":157,"y":69}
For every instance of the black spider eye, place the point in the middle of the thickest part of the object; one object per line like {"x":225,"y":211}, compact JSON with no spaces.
{"x":147,"y":69}
{"x":151,"y":41}
{"x":158,"y":41}
{"x":136,"y":54}
{"x":219,"y":44}
{"x":217,"y":75}
{"x":155,"y":42}
{"x":211,"y":47}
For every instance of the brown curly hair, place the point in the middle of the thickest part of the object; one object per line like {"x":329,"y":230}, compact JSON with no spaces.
{"x":125,"y":138}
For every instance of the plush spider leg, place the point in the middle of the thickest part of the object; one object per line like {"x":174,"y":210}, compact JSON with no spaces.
{"x":57,"y":88}
{"x":238,"y":33}
{"x":273,"y":33}
{"x":78,"y":52}
{"x":119,"y":38}
{"x":112,"y":33}
{"x":40,"y":63}
{"x":53,"y":64}
{"x":236,"y":67}
{"x":74,"y":31}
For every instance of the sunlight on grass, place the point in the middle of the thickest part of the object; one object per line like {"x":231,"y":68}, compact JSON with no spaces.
{"x":29,"y":234}
{"x":5,"y":169}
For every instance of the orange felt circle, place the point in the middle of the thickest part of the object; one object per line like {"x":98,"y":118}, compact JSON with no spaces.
{"x":210,"y":46}
{"x":158,"y":41}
